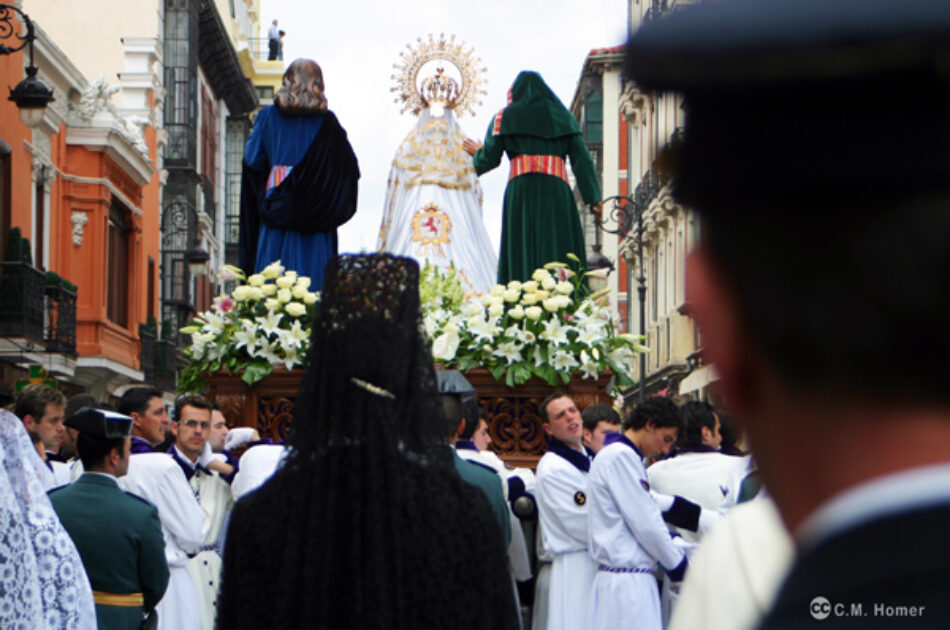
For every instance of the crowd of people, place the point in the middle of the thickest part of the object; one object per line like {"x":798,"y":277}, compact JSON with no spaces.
{"x":147,"y":497}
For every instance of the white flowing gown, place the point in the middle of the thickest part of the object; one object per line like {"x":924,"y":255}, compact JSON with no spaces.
{"x":434,"y":204}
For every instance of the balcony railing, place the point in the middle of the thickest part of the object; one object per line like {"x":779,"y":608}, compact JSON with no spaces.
{"x":260,"y":49}
{"x":60,"y":320}
{"x":22,"y":303}
{"x":166,"y":365}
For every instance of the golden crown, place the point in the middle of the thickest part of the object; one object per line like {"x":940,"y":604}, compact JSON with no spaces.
{"x":438,"y":89}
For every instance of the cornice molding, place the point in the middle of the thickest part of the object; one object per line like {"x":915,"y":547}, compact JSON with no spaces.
{"x":114,"y":144}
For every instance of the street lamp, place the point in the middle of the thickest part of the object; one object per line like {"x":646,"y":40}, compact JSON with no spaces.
{"x":624,"y":211}
{"x":597,"y":262}
{"x":30,"y":95}
{"x":197,"y":259}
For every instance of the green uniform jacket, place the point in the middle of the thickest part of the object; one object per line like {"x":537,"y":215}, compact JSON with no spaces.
{"x":490,"y":483}
{"x":119,"y":538}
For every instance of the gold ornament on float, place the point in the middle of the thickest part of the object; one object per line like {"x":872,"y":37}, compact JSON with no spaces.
{"x":438,"y":91}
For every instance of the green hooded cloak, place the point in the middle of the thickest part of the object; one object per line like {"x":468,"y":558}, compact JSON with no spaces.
{"x":540,"y":219}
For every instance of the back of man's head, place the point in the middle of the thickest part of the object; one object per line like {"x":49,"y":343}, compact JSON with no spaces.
{"x":93,"y":451}
{"x":832,"y":252}
{"x":697,"y":414}
{"x":599,"y":412}
{"x":77,"y":402}
{"x":135,"y":400}
{"x":659,"y":411}
{"x":454,"y":413}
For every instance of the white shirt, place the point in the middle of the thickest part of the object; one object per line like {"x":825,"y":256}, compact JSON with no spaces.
{"x":626,"y":527}
{"x":561,"y":510}
{"x":705,"y":478}
{"x":156,"y":477}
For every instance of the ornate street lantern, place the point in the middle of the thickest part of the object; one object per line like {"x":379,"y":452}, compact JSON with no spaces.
{"x":30,"y":95}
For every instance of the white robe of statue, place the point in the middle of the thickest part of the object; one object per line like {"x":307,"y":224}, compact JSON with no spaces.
{"x":433,"y":206}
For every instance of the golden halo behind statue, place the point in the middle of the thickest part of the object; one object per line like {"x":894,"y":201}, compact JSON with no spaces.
{"x":439,"y":90}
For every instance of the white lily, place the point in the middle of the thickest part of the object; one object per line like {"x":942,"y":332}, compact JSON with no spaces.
{"x":297,"y":336}
{"x":555,"y":332}
{"x":482,"y":329}
{"x":510,"y":351}
{"x":247,"y":338}
{"x":270,"y":322}
{"x":563,"y":361}
{"x":589,"y":336}
{"x":445,"y":346}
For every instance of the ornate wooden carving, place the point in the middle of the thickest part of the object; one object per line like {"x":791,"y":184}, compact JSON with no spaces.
{"x":268,"y":406}
{"x":514,"y":417}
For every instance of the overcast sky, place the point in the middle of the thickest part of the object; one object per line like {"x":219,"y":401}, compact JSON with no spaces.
{"x":356,"y":42}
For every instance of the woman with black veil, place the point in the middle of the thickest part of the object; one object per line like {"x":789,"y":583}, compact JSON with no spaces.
{"x":366,"y":524}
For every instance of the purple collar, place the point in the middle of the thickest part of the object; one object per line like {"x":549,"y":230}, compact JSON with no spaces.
{"x":466,"y":445}
{"x":580,"y":461}
{"x":141,"y":446}
{"x":610,"y":438}
{"x":186,"y":466}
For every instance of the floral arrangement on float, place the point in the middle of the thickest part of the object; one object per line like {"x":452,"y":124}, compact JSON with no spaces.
{"x":550,"y":327}
{"x":264,"y":322}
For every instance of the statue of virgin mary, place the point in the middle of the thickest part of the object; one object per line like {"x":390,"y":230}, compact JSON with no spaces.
{"x":433,"y":208}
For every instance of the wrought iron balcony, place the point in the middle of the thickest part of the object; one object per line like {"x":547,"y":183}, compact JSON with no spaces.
{"x":60,"y":319}
{"x":147,"y":352}
{"x":166,"y":365}
{"x":22,"y":302}
{"x":158,"y":359}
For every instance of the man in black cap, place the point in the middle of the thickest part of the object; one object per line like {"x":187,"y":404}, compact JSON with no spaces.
{"x":118,"y":534}
{"x":817,"y":151}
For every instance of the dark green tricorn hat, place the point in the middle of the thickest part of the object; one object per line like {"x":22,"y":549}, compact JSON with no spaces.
{"x":100,"y":424}
{"x":797,"y":100}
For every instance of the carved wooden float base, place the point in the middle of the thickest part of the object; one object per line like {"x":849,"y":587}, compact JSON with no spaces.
{"x":514,"y":417}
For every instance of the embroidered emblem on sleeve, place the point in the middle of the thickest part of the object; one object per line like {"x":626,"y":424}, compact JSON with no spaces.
{"x":580,"y":498}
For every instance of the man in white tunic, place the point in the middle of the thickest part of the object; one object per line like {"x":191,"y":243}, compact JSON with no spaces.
{"x":627,"y":536}
{"x":697,"y":470}
{"x":192,"y":452}
{"x":562,"y":505}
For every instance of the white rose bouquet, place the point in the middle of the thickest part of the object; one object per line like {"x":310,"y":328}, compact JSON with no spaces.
{"x":549,"y":327}
{"x":263,"y":323}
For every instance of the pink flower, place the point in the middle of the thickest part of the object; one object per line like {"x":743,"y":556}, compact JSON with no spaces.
{"x":568,"y":317}
{"x":563,"y":274}
{"x":223,"y":304}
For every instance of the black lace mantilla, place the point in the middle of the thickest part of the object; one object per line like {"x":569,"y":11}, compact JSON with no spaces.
{"x":366,"y":525}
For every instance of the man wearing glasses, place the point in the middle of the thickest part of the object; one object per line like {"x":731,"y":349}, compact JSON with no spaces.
{"x":193,"y":453}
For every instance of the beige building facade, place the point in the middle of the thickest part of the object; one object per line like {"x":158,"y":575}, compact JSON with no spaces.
{"x":670,"y":231}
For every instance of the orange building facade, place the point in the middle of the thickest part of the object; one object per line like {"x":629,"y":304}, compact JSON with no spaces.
{"x":83,"y":190}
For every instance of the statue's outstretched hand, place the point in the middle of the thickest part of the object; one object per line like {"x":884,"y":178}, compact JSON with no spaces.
{"x":471,"y":146}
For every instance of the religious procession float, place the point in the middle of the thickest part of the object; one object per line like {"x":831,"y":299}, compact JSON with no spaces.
{"x":514,"y":342}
